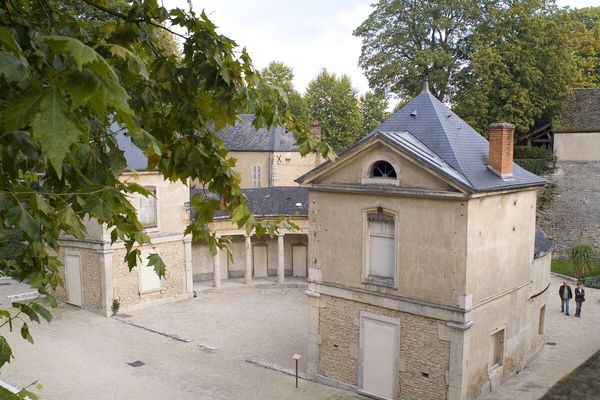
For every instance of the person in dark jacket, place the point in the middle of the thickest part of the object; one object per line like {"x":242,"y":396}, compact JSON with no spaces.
{"x":565,"y":296}
{"x":579,"y":299}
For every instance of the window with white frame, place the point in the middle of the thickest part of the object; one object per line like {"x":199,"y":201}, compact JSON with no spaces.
{"x":256,"y":176}
{"x":382,"y":246}
{"x":147,"y":209}
{"x":149,"y":280}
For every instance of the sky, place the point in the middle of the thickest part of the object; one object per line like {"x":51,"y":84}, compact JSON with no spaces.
{"x":307,"y":35}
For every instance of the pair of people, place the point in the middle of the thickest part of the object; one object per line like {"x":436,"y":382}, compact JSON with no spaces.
{"x":566,"y":295}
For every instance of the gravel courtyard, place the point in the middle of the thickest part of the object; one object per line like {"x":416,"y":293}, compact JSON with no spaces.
{"x":81,"y":355}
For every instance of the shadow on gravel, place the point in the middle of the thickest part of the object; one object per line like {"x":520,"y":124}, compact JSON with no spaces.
{"x":581,"y":384}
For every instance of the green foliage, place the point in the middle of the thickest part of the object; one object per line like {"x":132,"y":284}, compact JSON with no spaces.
{"x":496,"y":60}
{"x":71,"y":69}
{"x":334,"y":103}
{"x":534,"y":159}
{"x":373,"y":108}
{"x":582,"y":256}
{"x":592,"y":281}
{"x":566,"y":267}
{"x":114,"y":308}
{"x":405,"y":42}
{"x":281,"y":77}
{"x":521,"y":66}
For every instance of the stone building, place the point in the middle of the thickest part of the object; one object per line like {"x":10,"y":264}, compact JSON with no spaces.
{"x":94,"y":271}
{"x":571,"y":216}
{"x":253,"y":257}
{"x":268,"y":161}
{"x":266,"y":157}
{"x":426,"y":277}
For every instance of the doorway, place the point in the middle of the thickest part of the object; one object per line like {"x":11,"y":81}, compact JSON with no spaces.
{"x":379,"y":348}
{"x":299,"y":260}
{"x":73,"y":278}
{"x":259,"y":260}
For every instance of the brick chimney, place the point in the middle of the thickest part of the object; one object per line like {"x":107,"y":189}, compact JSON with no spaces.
{"x":500,"y":159}
{"x":315,"y":128}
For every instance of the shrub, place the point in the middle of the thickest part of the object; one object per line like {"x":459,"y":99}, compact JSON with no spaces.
{"x":592,"y":281}
{"x":582,"y":256}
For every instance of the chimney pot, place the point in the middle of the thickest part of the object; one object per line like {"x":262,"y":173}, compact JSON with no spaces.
{"x":501,"y":143}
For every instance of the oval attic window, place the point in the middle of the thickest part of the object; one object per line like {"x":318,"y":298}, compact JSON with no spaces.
{"x":383,"y":169}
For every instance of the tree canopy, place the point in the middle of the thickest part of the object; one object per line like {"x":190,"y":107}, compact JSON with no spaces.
{"x":334,"y":103}
{"x":65,"y":78}
{"x":280,"y":77}
{"x":493,"y":60}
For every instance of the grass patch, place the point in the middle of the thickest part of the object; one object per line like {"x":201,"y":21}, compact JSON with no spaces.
{"x":565,"y":267}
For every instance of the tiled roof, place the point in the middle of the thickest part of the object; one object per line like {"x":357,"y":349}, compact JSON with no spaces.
{"x":428,"y":130}
{"x":272,"y":201}
{"x":543,"y":245}
{"x":580,"y":112}
{"x":135,"y":158}
{"x":244,"y":137}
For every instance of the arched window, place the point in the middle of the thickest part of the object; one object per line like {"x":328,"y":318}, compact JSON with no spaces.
{"x":383,"y":169}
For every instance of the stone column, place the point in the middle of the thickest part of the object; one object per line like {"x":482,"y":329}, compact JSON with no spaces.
{"x":248,"y":272}
{"x":217,"y":268}
{"x":106,"y":279}
{"x":280,"y":259}
{"x":189,"y":276}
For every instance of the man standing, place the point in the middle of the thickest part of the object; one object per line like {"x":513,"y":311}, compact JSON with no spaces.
{"x":565,"y":295}
{"x":579,"y":299}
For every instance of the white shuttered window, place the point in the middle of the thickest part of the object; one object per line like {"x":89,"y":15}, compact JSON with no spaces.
{"x":147,"y":209}
{"x":382,"y":246}
{"x":256,"y":176}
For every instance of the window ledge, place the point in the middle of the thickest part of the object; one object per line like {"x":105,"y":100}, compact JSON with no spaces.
{"x":150,"y":291}
{"x":380,"y":281}
{"x":151,"y":229}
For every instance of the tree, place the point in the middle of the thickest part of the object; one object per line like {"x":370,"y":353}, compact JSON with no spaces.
{"x":405,"y":42}
{"x":64,"y":80}
{"x":281,"y":77}
{"x":373,"y":107}
{"x":521,"y":66}
{"x":585,"y":35}
{"x":333,"y":102}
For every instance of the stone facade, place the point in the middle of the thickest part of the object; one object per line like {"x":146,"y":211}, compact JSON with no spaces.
{"x":126,"y":284}
{"x":571,"y":216}
{"x":104,"y":274}
{"x":424,"y":356}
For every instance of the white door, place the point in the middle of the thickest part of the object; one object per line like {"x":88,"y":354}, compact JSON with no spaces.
{"x":299,"y":260}
{"x":259,"y":259}
{"x":224,"y":263}
{"x":379,"y":352}
{"x":73,"y":278}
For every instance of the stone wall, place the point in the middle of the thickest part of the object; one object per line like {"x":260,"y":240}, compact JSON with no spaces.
{"x":90,"y":276}
{"x":424,"y":357}
{"x":572,"y":216}
{"x":126,"y":284}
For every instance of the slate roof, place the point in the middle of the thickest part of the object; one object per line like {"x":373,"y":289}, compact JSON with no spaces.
{"x":580,"y":112}
{"x":543,"y":245}
{"x":428,"y":130}
{"x":135,"y":158}
{"x":271,"y":201}
{"x":244,"y":137}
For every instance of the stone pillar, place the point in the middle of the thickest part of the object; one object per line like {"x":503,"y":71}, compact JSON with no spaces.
{"x":217,"y":268}
{"x":313,"y":330}
{"x":459,"y":348}
{"x":280,"y":259}
{"x":105,"y":257}
{"x":248,"y":272}
{"x":189,"y":277}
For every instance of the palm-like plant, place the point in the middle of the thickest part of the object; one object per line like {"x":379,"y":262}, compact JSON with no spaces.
{"x":582,"y":256}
